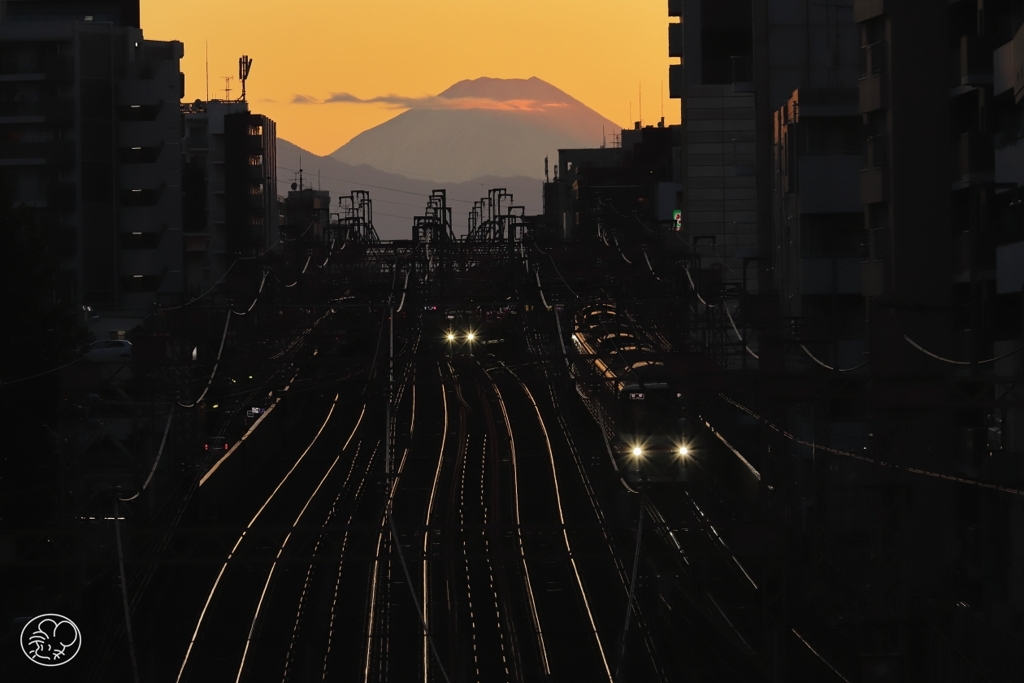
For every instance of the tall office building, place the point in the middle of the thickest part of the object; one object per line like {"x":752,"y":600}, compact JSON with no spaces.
{"x":90,"y":136}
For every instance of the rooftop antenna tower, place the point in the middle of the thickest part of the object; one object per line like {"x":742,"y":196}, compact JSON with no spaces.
{"x":640,"y":88}
{"x":227,"y":87}
{"x":207,"y":71}
{"x":244,"y":64}
{"x":547,"y":179}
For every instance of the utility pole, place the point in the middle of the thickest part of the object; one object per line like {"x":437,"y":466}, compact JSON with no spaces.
{"x":388,"y":468}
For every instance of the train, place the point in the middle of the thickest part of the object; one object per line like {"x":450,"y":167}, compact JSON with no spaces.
{"x":622,"y":381}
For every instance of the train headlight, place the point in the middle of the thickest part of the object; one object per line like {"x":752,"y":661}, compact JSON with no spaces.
{"x":683,"y":451}
{"x":637,"y":451}
{"x":470,"y":336}
{"x":451,"y":337}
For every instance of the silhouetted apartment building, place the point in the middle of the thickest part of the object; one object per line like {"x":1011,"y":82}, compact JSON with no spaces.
{"x":869,"y":156}
{"x":307,"y":214}
{"x":89,"y":135}
{"x":941,"y":187}
{"x":617,"y":191}
{"x":818,"y":224}
{"x":739,"y":62}
{"x":229,"y":172}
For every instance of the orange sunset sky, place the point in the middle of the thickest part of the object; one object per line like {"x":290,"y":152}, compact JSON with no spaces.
{"x":602,"y":52}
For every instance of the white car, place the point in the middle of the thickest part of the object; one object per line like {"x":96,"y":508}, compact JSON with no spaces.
{"x":109,"y":351}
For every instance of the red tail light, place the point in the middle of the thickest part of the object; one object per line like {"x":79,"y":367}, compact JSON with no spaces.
{"x":206,"y":446}
{"x":225,"y":446}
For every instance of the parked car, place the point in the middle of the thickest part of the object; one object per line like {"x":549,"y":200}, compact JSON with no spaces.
{"x":109,"y":350}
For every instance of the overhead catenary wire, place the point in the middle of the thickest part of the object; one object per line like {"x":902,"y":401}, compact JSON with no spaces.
{"x":650,"y":267}
{"x":213,"y":373}
{"x":219,"y":280}
{"x":156,"y":460}
{"x":739,"y":337}
{"x":40,"y":374}
{"x":541,"y":290}
{"x":211,"y":288}
{"x":257,"y":298}
{"x":829,"y":367}
{"x":555,"y":266}
{"x":694,"y":288}
{"x":864,"y":458}
{"x":615,"y":238}
{"x":959,"y":362}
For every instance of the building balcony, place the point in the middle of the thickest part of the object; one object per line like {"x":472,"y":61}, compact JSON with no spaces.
{"x":22,"y":77}
{"x":675,"y":40}
{"x":254,"y":144}
{"x":139,"y":282}
{"x":142,"y":261}
{"x":197,"y":144}
{"x":973,"y":63}
{"x":874,"y":152}
{"x":141,"y":197}
{"x":872,"y":277}
{"x":141,"y":219}
{"x":144,"y":176}
{"x":54,"y":153}
{"x":56,"y":111}
{"x":139,"y":154}
{"x":141,"y":134}
{"x":873,"y":59}
{"x":868,"y":9}
{"x":874,"y":185}
{"x":873,"y":93}
{"x":676,"y":81}
{"x":140,"y":92}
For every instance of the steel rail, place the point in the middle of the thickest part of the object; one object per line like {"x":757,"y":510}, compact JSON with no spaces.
{"x":565,"y":533}
{"x":234,"y":549}
{"x":519,"y":534}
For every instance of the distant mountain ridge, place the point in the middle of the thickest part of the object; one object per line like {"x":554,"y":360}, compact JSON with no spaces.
{"x":396,"y":198}
{"x":480,"y":127}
